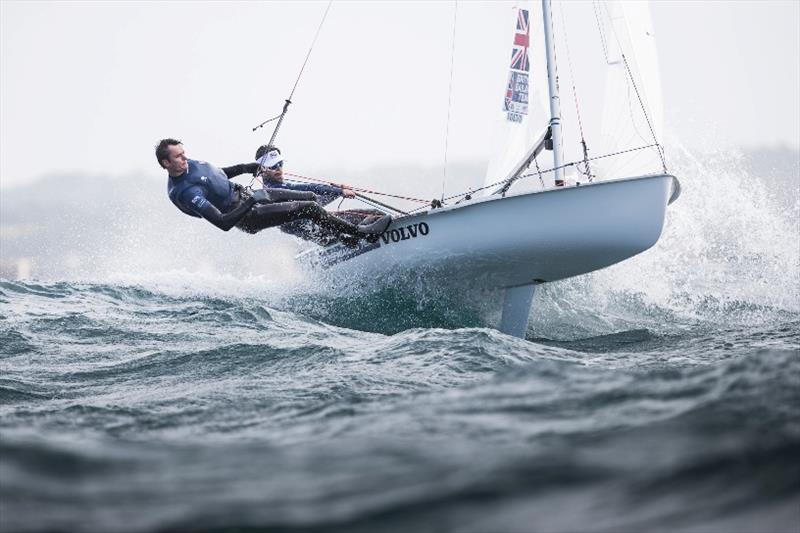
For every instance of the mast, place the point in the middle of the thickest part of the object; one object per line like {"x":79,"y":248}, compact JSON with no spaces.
{"x":555,"y":102}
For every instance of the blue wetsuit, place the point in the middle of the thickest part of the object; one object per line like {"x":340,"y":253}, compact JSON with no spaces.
{"x":204,"y":191}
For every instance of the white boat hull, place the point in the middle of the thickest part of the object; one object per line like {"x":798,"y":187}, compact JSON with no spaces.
{"x":517,"y":240}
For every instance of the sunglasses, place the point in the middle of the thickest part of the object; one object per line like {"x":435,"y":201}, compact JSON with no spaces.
{"x":276,"y":166}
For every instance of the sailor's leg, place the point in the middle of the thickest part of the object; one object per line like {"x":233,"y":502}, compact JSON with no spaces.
{"x":287,"y":195}
{"x":360,"y":216}
{"x":516,"y":308}
{"x":327,"y":220}
{"x":263,"y":216}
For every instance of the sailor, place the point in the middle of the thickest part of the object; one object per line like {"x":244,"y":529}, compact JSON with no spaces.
{"x":202,"y":190}
{"x":271,"y":172}
{"x":272,"y":161}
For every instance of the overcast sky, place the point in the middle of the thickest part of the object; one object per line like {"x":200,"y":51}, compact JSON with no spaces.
{"x":90,"y":87}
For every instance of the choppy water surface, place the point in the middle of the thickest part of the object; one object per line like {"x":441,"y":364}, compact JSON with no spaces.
{"x":125,"y":409}
{"x":659,"y":395}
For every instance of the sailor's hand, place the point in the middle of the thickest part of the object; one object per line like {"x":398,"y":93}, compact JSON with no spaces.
{"x":260,"y":196}
{"x":347,"y":192}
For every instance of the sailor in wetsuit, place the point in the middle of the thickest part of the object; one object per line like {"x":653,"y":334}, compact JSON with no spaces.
{"x":202,"y":190}
{"x":271,"y":161}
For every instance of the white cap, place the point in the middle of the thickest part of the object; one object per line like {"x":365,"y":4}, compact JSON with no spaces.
{"x":270,"y":159}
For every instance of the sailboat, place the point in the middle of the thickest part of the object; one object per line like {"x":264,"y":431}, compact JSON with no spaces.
{"x":520,"y":231}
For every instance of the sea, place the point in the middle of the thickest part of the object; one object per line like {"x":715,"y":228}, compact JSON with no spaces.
{"x":661,"y":394}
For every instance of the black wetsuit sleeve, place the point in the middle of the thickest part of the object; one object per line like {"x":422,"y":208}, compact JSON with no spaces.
{"x":243,"y":168}
{"x":224,"y":221}
{"x":326,"y":193}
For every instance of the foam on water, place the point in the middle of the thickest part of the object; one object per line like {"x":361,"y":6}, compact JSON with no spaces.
{"x":729,"y":255}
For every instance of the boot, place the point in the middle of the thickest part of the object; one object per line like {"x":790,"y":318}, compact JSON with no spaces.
{"x":375,"y":228}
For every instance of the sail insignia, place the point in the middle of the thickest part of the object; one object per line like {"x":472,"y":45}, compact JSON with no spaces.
{"x":515,"y":103}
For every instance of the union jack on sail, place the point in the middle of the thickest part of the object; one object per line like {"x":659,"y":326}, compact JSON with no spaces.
{"x":519,"y":54}
{"x":515,"y":103}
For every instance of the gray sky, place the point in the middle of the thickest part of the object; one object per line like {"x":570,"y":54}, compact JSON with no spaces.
{"x":92,"y":86}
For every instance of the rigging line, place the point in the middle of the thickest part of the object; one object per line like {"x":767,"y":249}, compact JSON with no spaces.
{"x":365,"y":199}
{"x":575,"y":95}
{"x":600,"y":29}
{"x":276,"y":117}
{"x":449,"y":95}
{"x":539,"y":171}
{"x":633,"y":120}
{"x":594,"y":158}
{"x":649,"y":124}
{"x":571,"y":73}
{"x":313,"y":42}
{"x":572,"y":163}
{"x":575,"y":163}
{"x":560,"y":146}
{"x":296,"y":82}
{"x":636,"y":88}
{"x":375,"y":203}
{"x":308,"y":179}
{"x":616,"y":132}
{"x":356,"y":212}
{"x":471,"y":191}
{"x":256,"y":178}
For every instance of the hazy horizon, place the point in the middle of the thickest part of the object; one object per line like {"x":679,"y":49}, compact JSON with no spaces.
{"x":360,"y":176}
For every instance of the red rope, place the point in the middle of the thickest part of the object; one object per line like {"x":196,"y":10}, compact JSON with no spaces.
{"x":344,"y":185}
